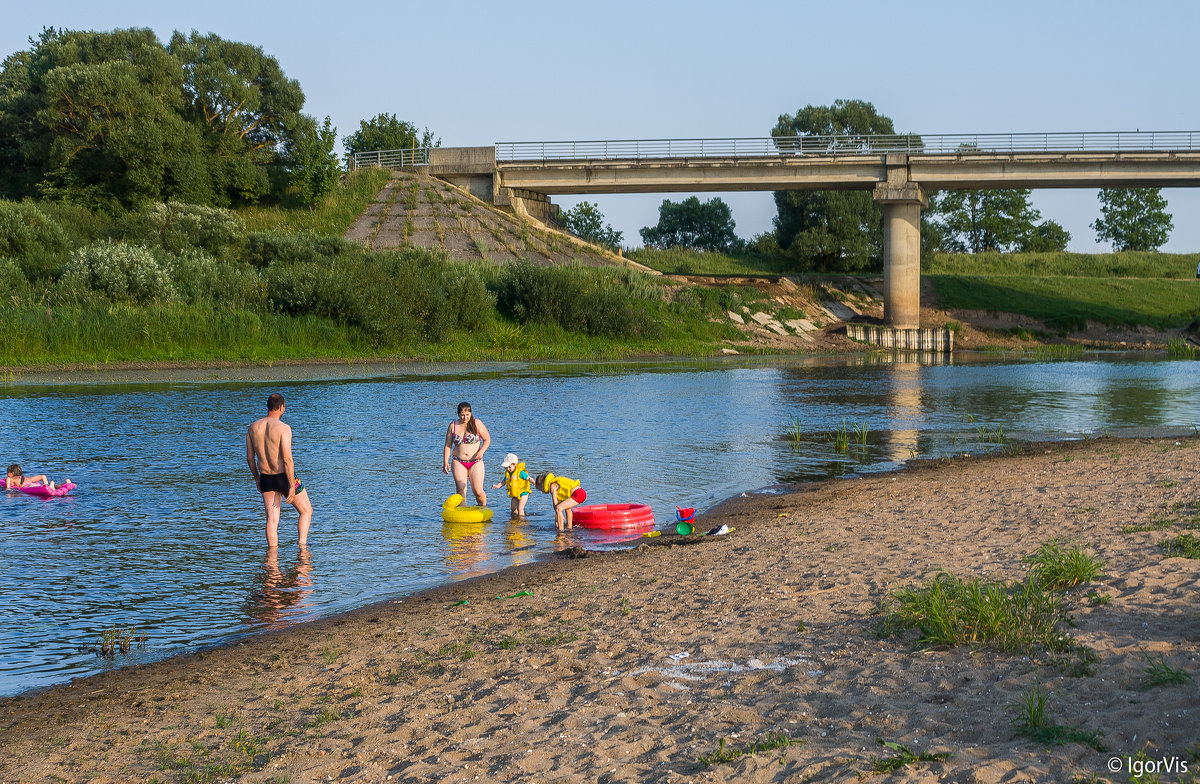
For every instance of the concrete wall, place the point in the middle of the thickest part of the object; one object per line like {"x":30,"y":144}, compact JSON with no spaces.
{"x":531,"y":204}
{"x":445,"y":161}
{"x":471,"y":168}
{"x":919,"y":339}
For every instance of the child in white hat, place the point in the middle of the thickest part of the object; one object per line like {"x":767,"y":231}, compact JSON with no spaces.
{"x":517,"y":482}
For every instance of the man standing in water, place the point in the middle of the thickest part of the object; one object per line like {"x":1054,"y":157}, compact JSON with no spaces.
{"x":269,"y":455}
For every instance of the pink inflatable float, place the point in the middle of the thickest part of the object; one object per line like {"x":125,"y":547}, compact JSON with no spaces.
{"x":46,"y":492}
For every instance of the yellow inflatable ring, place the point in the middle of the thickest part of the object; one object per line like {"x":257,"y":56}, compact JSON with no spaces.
{"x":454,"y":512}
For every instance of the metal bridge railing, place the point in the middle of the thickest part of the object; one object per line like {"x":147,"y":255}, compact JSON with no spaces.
{"x":844,"y":145}
{"x":394,"y":159}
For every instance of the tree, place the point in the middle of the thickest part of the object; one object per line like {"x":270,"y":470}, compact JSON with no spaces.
{"x":386,"y":132}
{"x":1133,"y":218}
{"x":989,"y":220}
{"x":311,"y":160}
{"x":94,"y":117}
{"x":692,"y":224}
{"x":1047,"y":237}
{"x":245,"y":108}
{"x":118,"y":117}
{"x":831,"y":230}
{"x":585,"y":221}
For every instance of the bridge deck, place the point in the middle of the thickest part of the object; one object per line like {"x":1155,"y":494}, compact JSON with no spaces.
{"x":947,"y":171}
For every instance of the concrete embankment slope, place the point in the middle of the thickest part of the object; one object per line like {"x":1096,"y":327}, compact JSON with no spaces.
{"x":419,"y":211}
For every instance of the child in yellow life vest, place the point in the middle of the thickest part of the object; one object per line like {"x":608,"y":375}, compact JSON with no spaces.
{"x":517,"y":482}
{"x":565,"y":494}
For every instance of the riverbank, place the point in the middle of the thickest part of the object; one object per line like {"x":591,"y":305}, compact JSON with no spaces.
{"x":634,"y":666}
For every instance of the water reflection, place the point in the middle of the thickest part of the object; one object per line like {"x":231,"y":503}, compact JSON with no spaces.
{"x":904,"y":409}
{"x":520,"y":542}
{"x":281,"y":599}
{"x":466,"y":548}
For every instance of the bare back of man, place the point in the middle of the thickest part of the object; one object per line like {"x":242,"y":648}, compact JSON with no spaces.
{"x":269,"y":455}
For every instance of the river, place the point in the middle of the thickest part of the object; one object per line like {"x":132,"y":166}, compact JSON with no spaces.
{"x":163,"y":536}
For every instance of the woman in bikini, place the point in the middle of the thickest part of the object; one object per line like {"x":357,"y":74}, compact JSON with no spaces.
{"x":466,"y":440}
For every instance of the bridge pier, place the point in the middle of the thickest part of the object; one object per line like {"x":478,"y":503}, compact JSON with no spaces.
{"x":902,"y":204}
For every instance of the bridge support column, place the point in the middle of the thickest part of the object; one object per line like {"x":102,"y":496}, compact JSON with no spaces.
{"x":902,"y":205}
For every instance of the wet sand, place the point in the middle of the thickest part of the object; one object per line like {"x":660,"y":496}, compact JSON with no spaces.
{"x":633,"y":666}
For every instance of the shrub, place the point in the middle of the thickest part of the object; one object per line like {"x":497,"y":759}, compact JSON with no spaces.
{"x":392,"y":297}
{"x":80,"y":224}
{"x":595,"y":301}
{"x":36,"y":242}
{"x":196,"y":276}
{"x":121,"y":272}
{"x":468,"y":298}
{"x":12,"y":278}
{"x":176,"y":227}
{"x":527,"y":293}
{"x":263,"y":248}
{"x":608,"y":310}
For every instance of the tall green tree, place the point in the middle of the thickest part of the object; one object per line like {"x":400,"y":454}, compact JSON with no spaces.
{"x":1133,"y":218}
{"x":976,"y":221}
{"x":94,"y":117}
{"x":831,"y":230}
{"x":693,"y":224}
{"x":387,"y":132}
{"x":585,"y":221}
{"x":117,"y":117}
{"x":245,"y":107}
{"x":312,"y":161}
{"x":1047,"y":237}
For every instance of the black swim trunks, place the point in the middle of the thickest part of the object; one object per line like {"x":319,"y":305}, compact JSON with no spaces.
{"x":273,"y":483}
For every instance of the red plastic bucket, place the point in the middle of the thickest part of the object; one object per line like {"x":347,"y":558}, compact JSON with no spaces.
{"x":613,"y":516}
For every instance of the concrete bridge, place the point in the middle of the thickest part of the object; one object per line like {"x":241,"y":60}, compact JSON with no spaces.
{"x":899,"y":170}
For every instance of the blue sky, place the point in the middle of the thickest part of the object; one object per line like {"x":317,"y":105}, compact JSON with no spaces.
{"x":476,"y":72}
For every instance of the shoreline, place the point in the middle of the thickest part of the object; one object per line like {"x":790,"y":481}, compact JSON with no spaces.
{"x":425,"y":688}
{"x":305,"y":369}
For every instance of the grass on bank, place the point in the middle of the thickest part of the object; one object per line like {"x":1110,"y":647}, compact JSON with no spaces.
{"x":184,"y":333}
{"x":1068,"y":303}
{"x":949,"y":611}
{"x":331,"y":217}
{"x":1127,"y":264}
{"x":1065,"y":290}
{"x":1159,"y":673}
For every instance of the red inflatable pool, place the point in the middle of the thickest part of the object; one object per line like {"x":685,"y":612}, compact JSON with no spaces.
{"x":614,"y":516}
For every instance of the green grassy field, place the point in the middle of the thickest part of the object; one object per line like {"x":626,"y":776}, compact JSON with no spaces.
{"x":1131,"y":264}
{"x":1065,"y":290}
{"x":1065,"y":303}
{"x":331,"y":217}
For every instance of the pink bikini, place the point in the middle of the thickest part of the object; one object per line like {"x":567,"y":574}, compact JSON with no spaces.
{"x":466,"y":438}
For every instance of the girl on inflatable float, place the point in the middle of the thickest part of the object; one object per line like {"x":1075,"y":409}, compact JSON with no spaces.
{"x":466,"y":440}
{"x":565,"y":494}
{"x":16,"y":479}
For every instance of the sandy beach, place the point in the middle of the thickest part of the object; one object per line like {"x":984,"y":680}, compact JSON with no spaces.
{"x":634,"y":666}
